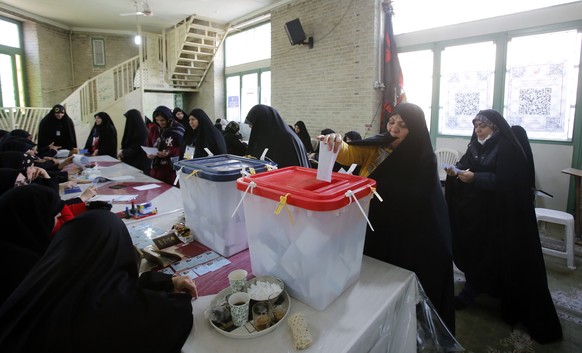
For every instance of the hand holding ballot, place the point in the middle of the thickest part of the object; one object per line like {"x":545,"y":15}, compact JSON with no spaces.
{"x":466,"y":176}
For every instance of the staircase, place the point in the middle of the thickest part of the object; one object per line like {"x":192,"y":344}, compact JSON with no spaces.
{"x":191,"y":47}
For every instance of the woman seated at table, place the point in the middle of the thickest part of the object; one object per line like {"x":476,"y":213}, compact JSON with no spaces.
{"x":30,"y":212}
{"x":269,"y":131}
{"x":411,"y":226}
{"x":201,"y":135}
{"x":84,"y":295}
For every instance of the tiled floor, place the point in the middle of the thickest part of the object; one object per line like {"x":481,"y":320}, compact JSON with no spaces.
{"x":480,"y":329}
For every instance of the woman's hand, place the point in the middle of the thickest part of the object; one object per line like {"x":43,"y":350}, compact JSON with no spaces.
{"x":163,"y":154}
{"x":466,"y":176}
{"x":36,"y":172}
{"x":185,"y":284}
{"x":333,"y":141}
{"x":88,"y":193}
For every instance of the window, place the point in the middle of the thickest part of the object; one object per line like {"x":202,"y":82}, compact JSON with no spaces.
{"x":532,"y":77}
{"x":540,"y":84}
{"x":466,"y":86}
{"x":98,"y":51}
{"x":435,"y":14}
{"x":11,"y":73}
{"x":418,"y":80}
{"x":249,"y":45}
{"x":247,"y":71}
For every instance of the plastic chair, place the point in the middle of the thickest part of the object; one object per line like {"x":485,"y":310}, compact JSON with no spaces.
{"x":445,"y":156}
{"x":567,"y":220}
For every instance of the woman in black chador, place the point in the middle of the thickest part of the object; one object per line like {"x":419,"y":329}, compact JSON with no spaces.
{"x":135,"y":135}
{"x":84,"y":295}
{"x":201,"y":135}
{"x":233,"y":139}
{"x":56,"y":130}
{"x":495,"y":236}
{"x":303,"y":134}
{"x":268,"y":130}
{"x":102,"y":140}
{"x":411,"y":225}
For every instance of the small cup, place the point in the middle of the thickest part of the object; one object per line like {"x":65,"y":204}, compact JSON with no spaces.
{"x":277,"y":306}
{"x":239,"y":308}
{"x":237,"y":280}
{"x":261,"y":316}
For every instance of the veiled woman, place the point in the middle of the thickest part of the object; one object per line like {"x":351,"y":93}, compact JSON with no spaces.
{"x":30,"y":212}
{"x":166,"y":135}
{"x":102,"y":140}
{"x":301,"y":131}
{"x":201,"y":135}
{"x":84,"y":295}
{"x":135,"y":135}
{"x":495,"y":236}
{"x":56,"y":130}
{"x":411,"y":226}
{"x":270,"y":131}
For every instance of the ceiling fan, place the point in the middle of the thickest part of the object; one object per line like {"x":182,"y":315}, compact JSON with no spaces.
{"x":141,"y":8}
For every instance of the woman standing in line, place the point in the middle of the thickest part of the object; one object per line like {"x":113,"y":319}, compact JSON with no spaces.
{"x":303,"y":134}
{"x":135,"y":135}
{"x":495,"y":235}
{"x":201,"y":135}
{"x":102,"y":140}
{"x":269,"y":131}
{"x":166,"y":135}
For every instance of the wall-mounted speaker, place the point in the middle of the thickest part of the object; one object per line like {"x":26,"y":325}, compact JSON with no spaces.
{"x":295,"y":32}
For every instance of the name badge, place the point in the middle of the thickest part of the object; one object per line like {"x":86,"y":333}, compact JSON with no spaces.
{"x":189,"y":153}
{"x":58,"y":133}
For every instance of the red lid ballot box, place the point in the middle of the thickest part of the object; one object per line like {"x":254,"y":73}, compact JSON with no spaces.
{"x":210,"y":196}
{"x":308,"y":232}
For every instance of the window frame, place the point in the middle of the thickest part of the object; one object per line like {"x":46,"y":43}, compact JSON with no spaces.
{"x":20,"y":93}
{"x":501,"y":40}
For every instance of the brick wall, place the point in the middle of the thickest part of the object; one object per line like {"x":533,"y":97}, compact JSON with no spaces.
{"x":118,"y":48}
{"x":331,"y":85}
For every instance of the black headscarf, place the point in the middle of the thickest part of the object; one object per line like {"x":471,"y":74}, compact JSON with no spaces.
{"x":7,"y":179}
{"x":107,"y":134}
{"x":411,"y":225}
{"x":205,"y":136}
{"x":84,"y":295}
{"x":304,"y":136}
{"x":15,"y":143}
{"x":495,"y":236}
{"x":60,"y":132}
{"x":270,"y":131}
{"x":29,"y":212}
{"x":135,"y":135}
{"x":16,"y":160}
{"x":184,"y":120}
{"x":173,"y":129}
{"x":233,"y":139}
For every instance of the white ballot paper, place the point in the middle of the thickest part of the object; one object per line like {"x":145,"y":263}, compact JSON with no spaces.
{"x":325,"y":164}
{"x":150,"y":150}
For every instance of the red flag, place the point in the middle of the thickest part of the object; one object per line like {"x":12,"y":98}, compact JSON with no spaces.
{"x":393,"y":80}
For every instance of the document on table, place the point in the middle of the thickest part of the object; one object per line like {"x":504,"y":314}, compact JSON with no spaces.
{"x":114,"y":198}
{"x":146,"y":187}
{"x":150,"y":150}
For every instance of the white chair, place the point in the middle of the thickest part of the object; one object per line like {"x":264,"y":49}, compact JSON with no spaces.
{"x":445,"y":156}
{"x":566,"y":219}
